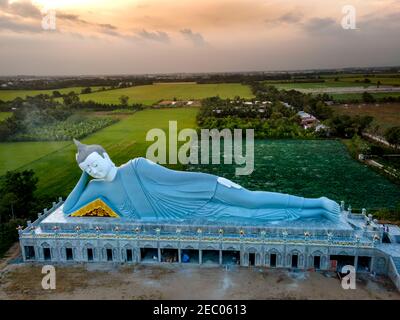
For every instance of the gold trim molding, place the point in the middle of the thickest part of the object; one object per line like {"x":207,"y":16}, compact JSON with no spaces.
{"x":96,"y":208}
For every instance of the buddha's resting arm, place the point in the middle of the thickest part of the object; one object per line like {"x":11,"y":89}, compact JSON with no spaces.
{"x":242,"y":197}
{"x":81,"y":195}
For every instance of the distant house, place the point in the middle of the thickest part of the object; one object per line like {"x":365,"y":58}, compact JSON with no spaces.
{"x":287,"y":105}
{"x":177,"y":103}
{"x":307,"y":120}
{"x":320,"y":127}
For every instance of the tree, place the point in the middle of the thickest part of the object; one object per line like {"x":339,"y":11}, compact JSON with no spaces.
{"x":392,"y":135}
{"x":71,"y":98}
{"x":321,"y":111}
{"x":123,"y":100}
{"x":378,"y":84}
{"x":57,"y":94}
{"x":86,"y":90}
{"x":346,"y":126}
{"x":17,"y":193}
{"x":7,"y":205}
{"x":367,"y":97}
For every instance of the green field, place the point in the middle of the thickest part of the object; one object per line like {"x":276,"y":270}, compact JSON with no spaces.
{"x":385,"y":115}
{"x":313,"y":168}
{"x":307,"y":168}
{"x":5,"y":115}
{"x":358,"y":96}
{"x":343,"y":80}
{"x":150,"y":94}
{"x":8,"y":95}
{"x":13,"y":155}
{"x":385,"y":79}
{"x":314,"y":85}
{"x":58,"y":172}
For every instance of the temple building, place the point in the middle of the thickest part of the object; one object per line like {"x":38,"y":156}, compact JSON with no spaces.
{"x":141,"y":212}
{"x":96,"y":234}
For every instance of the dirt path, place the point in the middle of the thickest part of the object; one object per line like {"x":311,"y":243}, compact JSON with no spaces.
{"x":21,"y":281}
{"x":11,"y":254}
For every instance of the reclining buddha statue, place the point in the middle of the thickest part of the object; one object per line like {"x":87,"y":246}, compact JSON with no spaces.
{"x":143,"y":190}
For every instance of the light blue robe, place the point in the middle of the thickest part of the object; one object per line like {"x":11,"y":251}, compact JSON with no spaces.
{"x":147,"y":191}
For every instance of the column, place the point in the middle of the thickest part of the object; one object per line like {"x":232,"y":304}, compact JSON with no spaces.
{"x":242,"y":260}
{"x":371,"y":267}
{"x":159,"y":254}
{"x":138,"y":255}
{"x":220,"y":257}
{"x":179,"y":255}
{"x":356,"y":262}
{"x":37,"y":252}
{"x":23,"y":251}
{"x":200,"y":256}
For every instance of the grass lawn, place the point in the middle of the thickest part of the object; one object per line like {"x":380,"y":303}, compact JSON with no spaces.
{"x":4,"y":115}
{"x":313,"y":85}
{"x":312,"y":168}
{"x":13,"y":155}
{"x":150,"y":94}
{"x":385,"y":79}
{"x":58,"y":172}
{"x":385,"y":115}
{"x":344,"y":80}
{"x":8,"y":95}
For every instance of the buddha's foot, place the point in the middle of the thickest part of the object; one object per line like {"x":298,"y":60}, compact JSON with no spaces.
{"x":332,"y":209}
{"x":330,"y":205}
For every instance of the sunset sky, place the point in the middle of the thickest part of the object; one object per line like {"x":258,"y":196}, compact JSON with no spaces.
{"x":157,"y":36}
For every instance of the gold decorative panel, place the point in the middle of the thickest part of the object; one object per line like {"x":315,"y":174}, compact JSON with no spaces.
{"x":96,"y":208}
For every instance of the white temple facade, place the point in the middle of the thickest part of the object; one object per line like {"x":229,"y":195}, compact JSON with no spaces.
{"x":305,"y":245}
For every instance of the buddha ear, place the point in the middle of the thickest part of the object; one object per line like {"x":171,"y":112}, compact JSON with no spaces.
{"x":106,"y":156}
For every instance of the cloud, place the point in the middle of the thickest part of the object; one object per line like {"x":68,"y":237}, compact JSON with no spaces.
{"x":104,"y":28}
{"x":316,"y":24}
{"x":293,"y":17}
{"x":378,"y":23}
{"x":70,"y":17}
{"x":196,"y":38}
{"x":14,"y":25}
{"x":158,"y":36}
{"x":107,"y":26}
{"x":24,"y":9}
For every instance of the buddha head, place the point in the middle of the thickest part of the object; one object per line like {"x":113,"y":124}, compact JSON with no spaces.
{"x":94,"y":160}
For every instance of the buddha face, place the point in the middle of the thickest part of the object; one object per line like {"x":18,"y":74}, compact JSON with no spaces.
{"x":97,"y":166}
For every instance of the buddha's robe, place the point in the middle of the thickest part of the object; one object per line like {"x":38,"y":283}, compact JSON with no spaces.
{"x":144,"y":190}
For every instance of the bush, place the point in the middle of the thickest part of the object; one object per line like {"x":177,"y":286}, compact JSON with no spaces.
{"x":392,"y":135}
{"x":387,"y":214}
{"x":9,"y":234}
